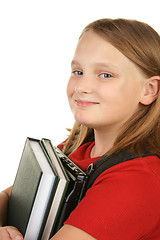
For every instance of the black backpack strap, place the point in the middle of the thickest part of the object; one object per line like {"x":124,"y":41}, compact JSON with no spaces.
{"x":105,"y":162}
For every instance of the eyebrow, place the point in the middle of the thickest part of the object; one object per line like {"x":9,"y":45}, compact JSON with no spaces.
{"x":74,"y":62}
{"x":98,"y":64}
{"x":102,"y":64}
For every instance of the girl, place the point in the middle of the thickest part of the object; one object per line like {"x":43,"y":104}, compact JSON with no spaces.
{"x":113,"y":93}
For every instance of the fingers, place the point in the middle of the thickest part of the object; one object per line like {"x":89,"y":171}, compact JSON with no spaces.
{"x":4,"y":234}
{"x":10,"y":233}
{"x":14,"y":233}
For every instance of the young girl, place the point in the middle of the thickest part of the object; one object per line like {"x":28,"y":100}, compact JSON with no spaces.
{"x":113,"y":93}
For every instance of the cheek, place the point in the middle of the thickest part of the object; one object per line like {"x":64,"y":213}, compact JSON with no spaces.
{"x":108,"y":94}
{"x":70,"y":88}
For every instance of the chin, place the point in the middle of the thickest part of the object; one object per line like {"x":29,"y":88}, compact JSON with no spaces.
{"x":83,"y":119}
{"x":85,"y":123}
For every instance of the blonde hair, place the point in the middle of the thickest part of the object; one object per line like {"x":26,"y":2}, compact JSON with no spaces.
{"x":141,"y":44}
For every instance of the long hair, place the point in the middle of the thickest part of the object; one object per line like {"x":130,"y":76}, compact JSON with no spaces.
{"x":141,"y":44}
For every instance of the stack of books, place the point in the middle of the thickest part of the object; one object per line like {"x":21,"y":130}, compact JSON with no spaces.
{"x":47,"y":187}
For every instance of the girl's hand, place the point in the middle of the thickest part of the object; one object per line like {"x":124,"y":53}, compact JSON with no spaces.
{"x":10,"y":233}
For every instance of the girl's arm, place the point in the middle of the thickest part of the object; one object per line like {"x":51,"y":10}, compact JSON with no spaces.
{"x":68,"y":232}
{"x":8,"y":232}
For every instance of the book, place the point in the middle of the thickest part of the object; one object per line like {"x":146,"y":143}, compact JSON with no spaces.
{"x":33,"y":191}
{"x":60,"y":191}
{"x":76,"y":189}
{"x":47,"y":187}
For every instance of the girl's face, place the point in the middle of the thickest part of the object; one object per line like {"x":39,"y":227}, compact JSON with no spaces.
{"x":105,"y":87}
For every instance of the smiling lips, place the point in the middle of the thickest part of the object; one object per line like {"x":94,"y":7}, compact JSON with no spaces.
{"x":82,"y":103}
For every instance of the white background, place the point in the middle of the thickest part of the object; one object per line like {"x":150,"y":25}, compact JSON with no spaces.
{"x":37,"y":42}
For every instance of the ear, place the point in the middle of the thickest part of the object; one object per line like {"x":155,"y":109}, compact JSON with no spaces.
{"x":151,"y":90}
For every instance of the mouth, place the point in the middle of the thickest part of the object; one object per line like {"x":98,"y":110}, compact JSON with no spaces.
{"x":82,"y":103}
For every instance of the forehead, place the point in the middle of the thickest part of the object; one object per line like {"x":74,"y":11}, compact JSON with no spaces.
{"x":93,"y":49}
{"x":91,"y":45}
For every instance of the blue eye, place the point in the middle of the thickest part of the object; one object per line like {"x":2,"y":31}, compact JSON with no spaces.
{"x":105,"y":75}
{"x":78,"y":73}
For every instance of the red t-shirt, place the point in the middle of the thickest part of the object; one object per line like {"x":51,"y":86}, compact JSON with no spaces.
{"x":124,"y":201}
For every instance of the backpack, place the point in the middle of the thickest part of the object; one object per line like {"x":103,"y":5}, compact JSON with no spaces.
{"x":105,"y":162}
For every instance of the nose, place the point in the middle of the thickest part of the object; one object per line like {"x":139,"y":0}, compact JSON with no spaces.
{"x":84,"y":85}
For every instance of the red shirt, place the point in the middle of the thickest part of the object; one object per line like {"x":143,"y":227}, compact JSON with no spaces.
{"x":124,"y":201}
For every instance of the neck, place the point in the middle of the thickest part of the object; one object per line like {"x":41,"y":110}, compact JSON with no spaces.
{"x":103,"y":142}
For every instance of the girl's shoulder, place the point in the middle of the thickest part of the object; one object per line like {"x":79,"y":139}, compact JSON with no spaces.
{"x":143,"y":167}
